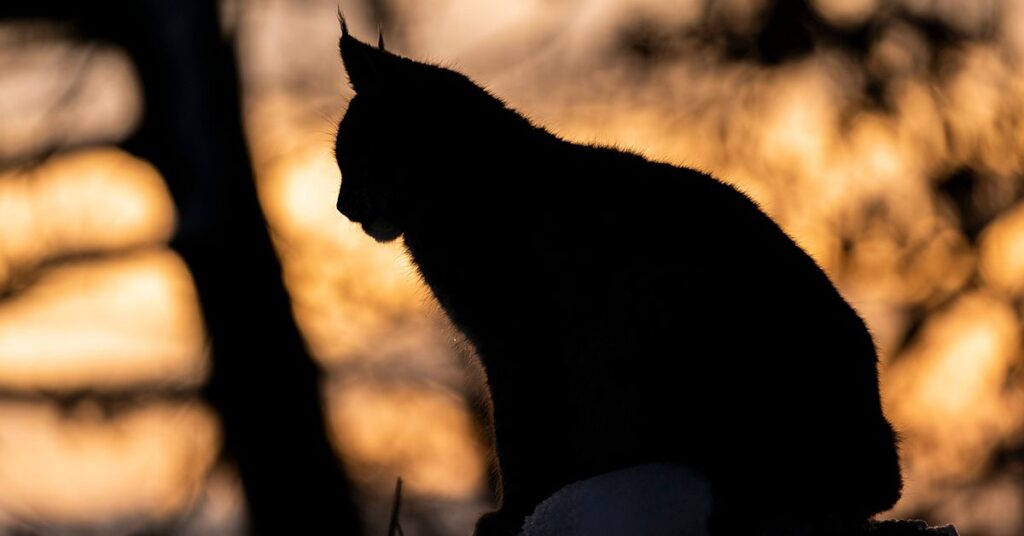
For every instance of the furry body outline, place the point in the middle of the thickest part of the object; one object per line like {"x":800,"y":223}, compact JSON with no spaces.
{"x":614,"y":300}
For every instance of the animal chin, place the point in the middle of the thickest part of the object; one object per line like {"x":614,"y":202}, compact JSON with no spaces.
{"x":382,"y":231}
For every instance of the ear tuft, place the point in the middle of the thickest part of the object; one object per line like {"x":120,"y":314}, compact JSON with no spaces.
{"x":380,"y":38}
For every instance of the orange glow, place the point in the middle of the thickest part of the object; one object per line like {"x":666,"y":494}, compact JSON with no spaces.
{"x":72,"y":468}
{"x":352,"y":296}
{"x":104,"y":323}
{"x":63,"y":93}
{"x":947,"y":393}
{"x":859,"y":185}
{"x":422,"y":435}
{"x":1002,"y":252}
{"x":88,"y":201}
{"x":846,"y":12}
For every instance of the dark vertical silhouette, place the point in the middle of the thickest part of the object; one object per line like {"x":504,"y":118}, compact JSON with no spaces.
{"x":264,"y":384}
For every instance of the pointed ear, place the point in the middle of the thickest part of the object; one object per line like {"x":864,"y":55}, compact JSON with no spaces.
{"x":371,"y":68}
{"x":361,"y":63}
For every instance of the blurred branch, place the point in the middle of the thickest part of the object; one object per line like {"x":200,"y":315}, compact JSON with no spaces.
{"x":394,"y":527}
{"x":109,"y":400}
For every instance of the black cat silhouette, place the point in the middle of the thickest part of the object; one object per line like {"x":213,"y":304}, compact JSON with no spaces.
{"x":625,"y":311}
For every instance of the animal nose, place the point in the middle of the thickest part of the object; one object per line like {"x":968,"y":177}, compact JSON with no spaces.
{"x":344,"y":205}
{"x":349,"y":208}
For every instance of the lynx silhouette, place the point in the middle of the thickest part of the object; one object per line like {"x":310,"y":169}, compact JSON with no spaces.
{"x":625,"y":311}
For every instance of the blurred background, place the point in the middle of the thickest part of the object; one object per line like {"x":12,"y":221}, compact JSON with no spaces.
{"x":155,"y":378}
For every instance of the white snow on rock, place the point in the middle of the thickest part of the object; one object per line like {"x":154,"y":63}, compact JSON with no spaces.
{"x":645,"y":500}
{"x":659,"y":500}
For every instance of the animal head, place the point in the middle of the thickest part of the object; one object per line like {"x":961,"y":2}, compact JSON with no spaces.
{"x":404,"y":129}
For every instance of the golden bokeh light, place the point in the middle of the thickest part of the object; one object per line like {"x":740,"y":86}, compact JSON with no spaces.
{"x":96,"y":200}
{"x":948,"y":393}
{"x":1002,"y":252}
{"x":426,"y":436}
{"x":82,"y":466}
{"x":846,"y":12}
{"x":104,"y":323}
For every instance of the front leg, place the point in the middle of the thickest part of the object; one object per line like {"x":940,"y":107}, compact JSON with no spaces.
{"x":533,"y":445}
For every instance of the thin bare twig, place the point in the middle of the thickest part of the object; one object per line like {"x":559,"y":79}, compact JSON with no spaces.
{"x":394,"y":527}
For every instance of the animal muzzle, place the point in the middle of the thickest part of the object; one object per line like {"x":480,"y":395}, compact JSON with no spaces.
{"x":352,"y":209}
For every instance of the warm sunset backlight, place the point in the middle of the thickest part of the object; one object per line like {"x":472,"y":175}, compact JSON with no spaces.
{"x":893,"y":156}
